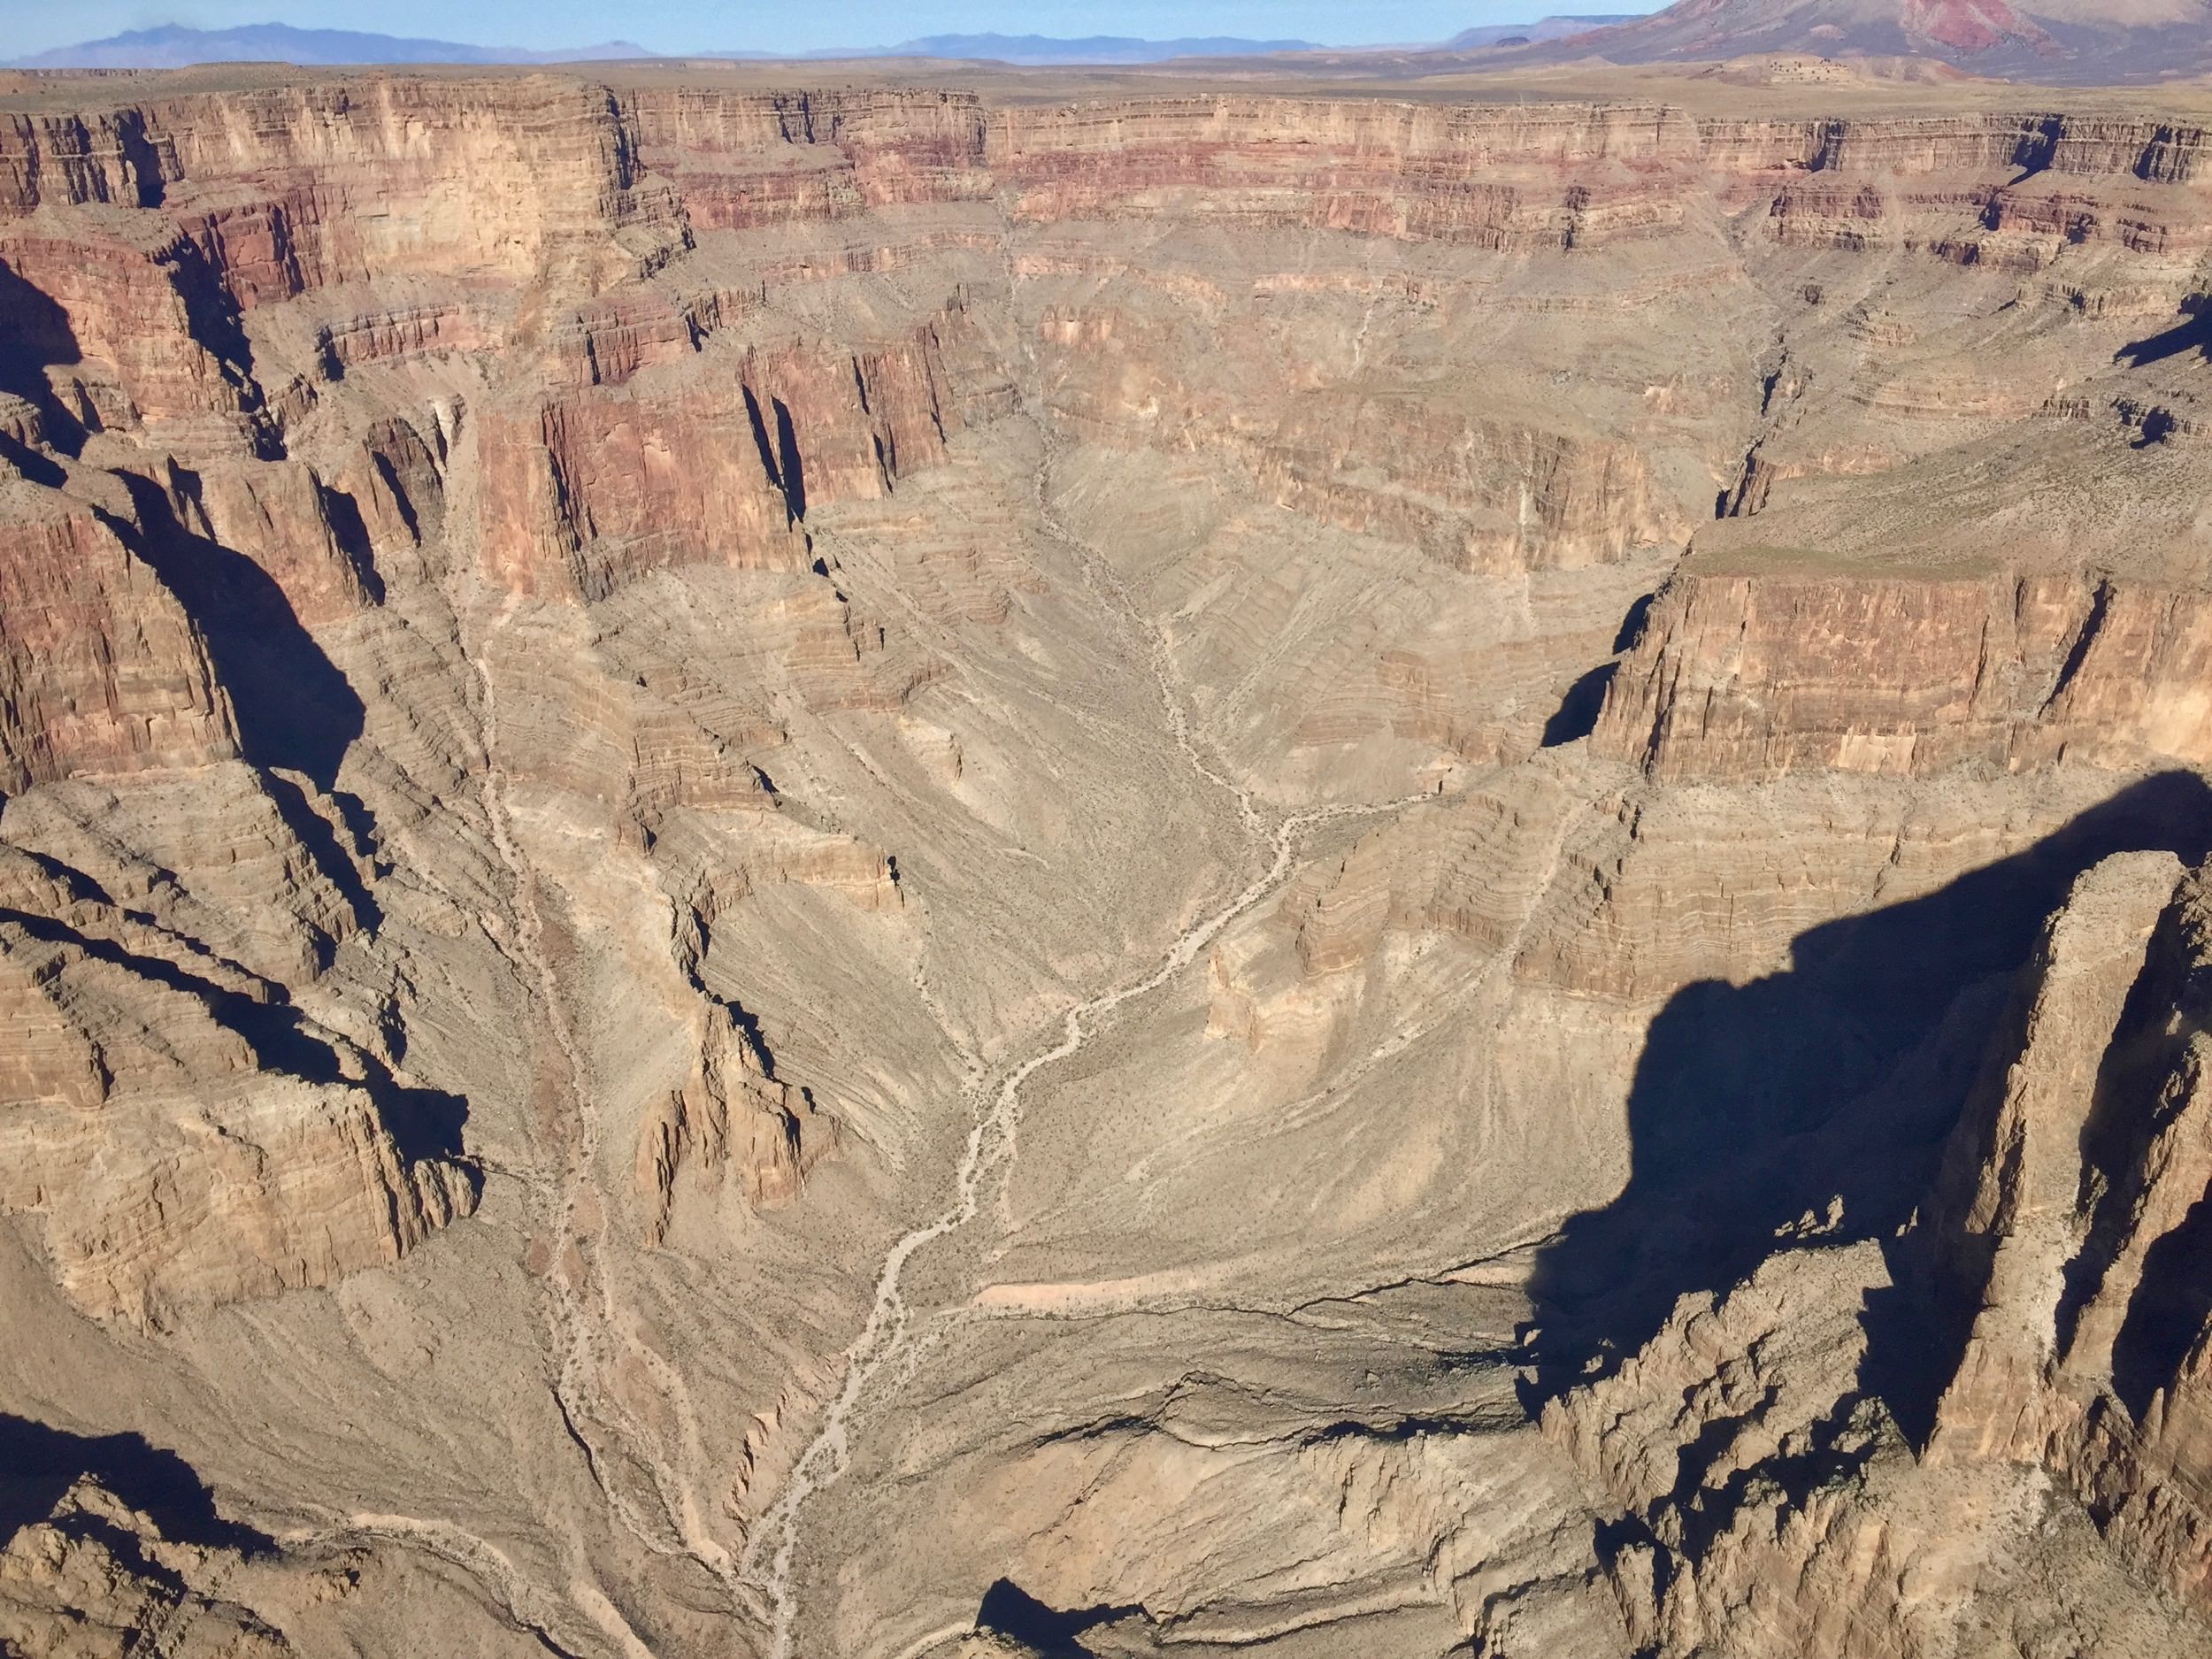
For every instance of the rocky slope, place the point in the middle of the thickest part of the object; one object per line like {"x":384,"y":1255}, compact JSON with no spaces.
{"x":1056,"y":865}
{"x":2078,"y":42}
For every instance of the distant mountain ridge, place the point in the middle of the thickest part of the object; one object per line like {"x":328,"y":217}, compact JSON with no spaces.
{"x":2034,"y":40}
{"x":180,"y":47}
{"x":174,"y":46}
{"x":1544,"y":29}
{"x":1097,"y":49}
{"x":2076,"y":41}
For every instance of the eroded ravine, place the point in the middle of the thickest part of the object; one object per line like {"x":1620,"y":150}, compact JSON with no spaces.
{"x":586,"y":1323}
{"x":882,"y":1359}
{"x":990,"y":1144}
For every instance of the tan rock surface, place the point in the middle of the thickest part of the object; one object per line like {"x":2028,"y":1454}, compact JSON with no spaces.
{"x":1097,"y":863}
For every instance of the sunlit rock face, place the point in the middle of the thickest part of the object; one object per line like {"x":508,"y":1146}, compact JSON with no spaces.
{"x":1102,"y":865}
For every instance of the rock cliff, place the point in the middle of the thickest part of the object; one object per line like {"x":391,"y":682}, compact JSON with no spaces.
{"x":1097,"y":865}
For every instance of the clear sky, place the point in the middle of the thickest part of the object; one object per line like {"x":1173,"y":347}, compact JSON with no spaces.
{"x":780,"y":25}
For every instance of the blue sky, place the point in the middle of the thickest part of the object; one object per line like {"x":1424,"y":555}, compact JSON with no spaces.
{"x":677,"y":26}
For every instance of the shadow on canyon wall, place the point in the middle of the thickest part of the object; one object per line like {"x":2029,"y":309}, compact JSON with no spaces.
{"x":779,"y":456}
{"x":2193,"y":334}
{"x":1577,"y":716}
{"x":1010,"y":1610}
{"x":295,"y":711}
{"x":39,"y":1463}
{"x":424,"y":1122}
{"x":35,"y":335}
{"x":1755,"y":1108}
{"x":2168,"y":1313}
{"x":295,"y":708}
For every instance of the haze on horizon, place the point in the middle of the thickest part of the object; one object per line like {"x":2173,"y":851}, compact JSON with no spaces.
{"x":698,"y":25}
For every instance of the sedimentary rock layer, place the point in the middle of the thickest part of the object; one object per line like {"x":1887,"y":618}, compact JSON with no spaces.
{"x":884,"y":869}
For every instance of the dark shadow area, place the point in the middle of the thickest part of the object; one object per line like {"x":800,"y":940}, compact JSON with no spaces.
{"x":1391,"y":1431}
{"x":35,"y":335}
{"x":2164,"y":1011}
{"x":1756,"y":1107}
{"x":2158,"y":425}
{"x":342,"y":514}
{"x":331,"y":366}
{"x":794,"y":500}
{"x":35,"y":332}
{"x":425,"y":1123}
{"x":1577,"y":716}
{"x":1613,"y":1538}
{"x":361,"y":824}
{"x":2168,"y":1310}
{"x":2193,"y":333}
{"x":1010,"y":1610}
{"x":38,"y":468}
{"x":2038,"y":148}
{"x":787,"y":454}
{"x":1829,"y":1456}
{"x":1631,"y":634}
{"x":315,"y":833}
{"x":1914,"y":1341}
{"x":422,"y":1123}
{"x":295,"y":708}
{"x":140,"y":156}
{"x":2077,"y":653}
{"x":38,"y":1464}
{"x":212,"y":314}
{"x":748,"y":1024}
{"x":396,"y":488}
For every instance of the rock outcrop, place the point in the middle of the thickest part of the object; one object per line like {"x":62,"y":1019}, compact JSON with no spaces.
{"x":1882,"y":1426}
{"x":1740,"y":676}
{"x":1103,"y":866}
{"x":96,"y":1577}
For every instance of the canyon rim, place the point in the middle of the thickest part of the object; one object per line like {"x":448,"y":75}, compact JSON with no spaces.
{"x":943,"y":863}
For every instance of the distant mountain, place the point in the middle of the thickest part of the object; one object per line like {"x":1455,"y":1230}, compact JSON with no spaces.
{"x":1097,"y":49}
{"x":2034,"y":40}
{"x":2039,"y":39}
{"x":174,"y":47}
{"x":1522,"y":34}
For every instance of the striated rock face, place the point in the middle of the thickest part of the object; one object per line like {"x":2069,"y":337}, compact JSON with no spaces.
{"x":2077,"y":1238}
{"x":1101,"y":866}
{"x":104,"y":672}
{"x":2019,"y":1218}
{"x":609,"y":485}
{"x":1741,"y":677}
{"x":1776,"y":1434}
{"x":95,"y":1578}
{"x":187,"y":1137}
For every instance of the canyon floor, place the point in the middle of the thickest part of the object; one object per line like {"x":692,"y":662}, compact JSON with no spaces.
{"x":1116,"y":864}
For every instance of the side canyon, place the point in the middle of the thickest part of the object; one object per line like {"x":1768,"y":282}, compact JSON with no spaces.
{"x":1104,"y":864}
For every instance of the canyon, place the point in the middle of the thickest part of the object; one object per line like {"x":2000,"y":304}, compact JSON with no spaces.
{"x":1115,"y":864}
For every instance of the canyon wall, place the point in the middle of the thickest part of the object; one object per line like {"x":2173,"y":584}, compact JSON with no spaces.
{"x":1361,"y":844}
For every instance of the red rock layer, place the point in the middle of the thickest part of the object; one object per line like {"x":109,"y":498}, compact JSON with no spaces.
{"x":1753,"y":676}
{"x":101,"y":672}
{"x":601,"y":485}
